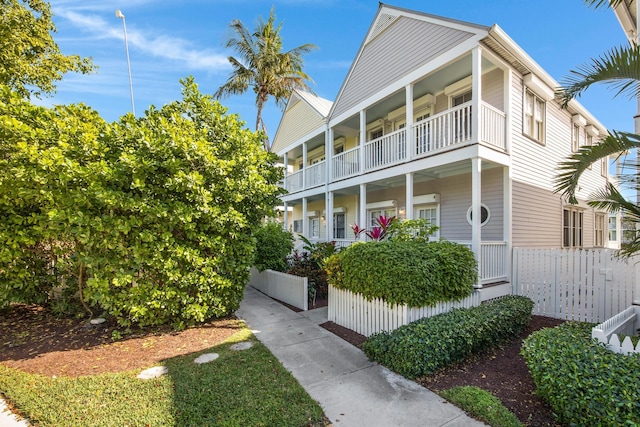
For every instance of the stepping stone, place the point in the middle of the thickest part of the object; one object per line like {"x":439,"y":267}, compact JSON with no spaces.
{"x":245,"y":345}
{"x":155,"y":372}
{"x":98,"y":320}
{"x":206,"y":358}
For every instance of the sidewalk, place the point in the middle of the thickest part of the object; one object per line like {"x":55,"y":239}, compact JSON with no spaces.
{"x":352,"y":390}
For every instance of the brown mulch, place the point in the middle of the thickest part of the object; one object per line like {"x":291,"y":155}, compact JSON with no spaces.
{"x":32,"y":339}
{"x":501,"y":371}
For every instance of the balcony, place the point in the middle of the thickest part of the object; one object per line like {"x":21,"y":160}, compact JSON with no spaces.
{"x":433,"y":135}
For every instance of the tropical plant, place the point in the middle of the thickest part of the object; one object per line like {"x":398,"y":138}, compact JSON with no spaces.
{"x":150,"y":219}
{"x":379,"y":231}
{"x":619,"y":69}
{"x":310,"y":263}
{"x":273,"y":244}
{"x":263,"y":66}
{"x":30,"y":60}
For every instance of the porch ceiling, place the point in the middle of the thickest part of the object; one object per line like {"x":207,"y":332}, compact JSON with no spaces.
{"x":444,"y":171}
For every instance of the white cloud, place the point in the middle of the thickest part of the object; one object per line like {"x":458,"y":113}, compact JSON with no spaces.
{"x":158,"y":45}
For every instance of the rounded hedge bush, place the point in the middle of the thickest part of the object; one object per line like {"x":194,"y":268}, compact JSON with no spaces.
{"x":273,"y":244}
{"x":585,"y":383}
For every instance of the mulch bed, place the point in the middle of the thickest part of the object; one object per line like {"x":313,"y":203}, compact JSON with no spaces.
{"x":501,"y":371}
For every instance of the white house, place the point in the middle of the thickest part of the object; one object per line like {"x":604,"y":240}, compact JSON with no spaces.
{"x":444,"y":120}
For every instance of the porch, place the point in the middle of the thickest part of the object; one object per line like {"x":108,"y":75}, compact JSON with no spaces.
{"x":438,"y":134}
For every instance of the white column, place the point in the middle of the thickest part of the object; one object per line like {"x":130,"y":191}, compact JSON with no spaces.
{"x":329,"y":215}
{"x":476,"y":92}
{"x":409,"y":196}
{"x":508,"y":76}
{"x":362,"y":221}
{"x":305,"y":219}
{"x":363,"y":138}
{"x":410,"y":139}
{"x":328,"y":154}
{"x":476,"y":198}
{"x":286,"y":169}
{"x":507,"y":188}
{"x":304,"y":165}
{"x":285,"y":216}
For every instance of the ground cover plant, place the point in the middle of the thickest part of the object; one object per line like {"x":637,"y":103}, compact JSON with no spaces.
{"x":482,"y":405}
{"x":59,"y":372}
{"x":427,"y":345}
{"x":584,"y":383}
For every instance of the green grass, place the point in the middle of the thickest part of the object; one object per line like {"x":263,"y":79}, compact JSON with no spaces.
{"x":240,"y":388}
{"x":481,"y":405}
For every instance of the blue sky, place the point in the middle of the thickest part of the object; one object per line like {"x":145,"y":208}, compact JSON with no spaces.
{"x":169,"y":40}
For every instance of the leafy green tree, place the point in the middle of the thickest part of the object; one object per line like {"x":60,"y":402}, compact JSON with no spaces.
{"x":619,"y":69}
{"x":30,"y":60}
{"x":263,"y":66}
{"x":273,"y":244}
{"x":150,"y":218}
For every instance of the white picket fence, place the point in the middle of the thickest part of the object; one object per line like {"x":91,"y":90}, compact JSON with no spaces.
{"x":294,"y":290}
{"x":588,"y":285}
{"x":354,"y":312}
{"x":626,"y":322}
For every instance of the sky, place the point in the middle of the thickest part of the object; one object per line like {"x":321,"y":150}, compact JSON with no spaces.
{"x":172,"y":39}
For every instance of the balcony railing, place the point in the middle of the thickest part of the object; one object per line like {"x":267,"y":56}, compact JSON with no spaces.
{"x":436,"y":133}
{"x":493,"y":261}
{"x":386,"y":150}
{"x":316,"y":174}
{"x":346,"y":164}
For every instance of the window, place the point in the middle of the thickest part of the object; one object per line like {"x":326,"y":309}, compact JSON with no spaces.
{"x":604,"y":166}
{"x":589,"y":139}
{"x":338,"y":149}
{"x":572,"y":227}
{"x":339,"y":231}
{"x":599,"y":230}
{"x":534,"y":117}
{"x":376,"y":213}
{"x":378,"y":133}
{"x":430,"y":213}
{"x":613,"y":230}
{"x":314,"y":227}
{"x":485,"y":215}
{"x":297,"y":226}
{"x":575,"y":138}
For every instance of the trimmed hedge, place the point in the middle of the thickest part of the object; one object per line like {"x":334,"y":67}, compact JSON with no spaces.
{"x":414,"y":273}
{"x":582,"y":381}
{"x":426,"y":345}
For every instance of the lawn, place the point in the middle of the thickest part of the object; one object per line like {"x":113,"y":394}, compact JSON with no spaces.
{"x":248,"y":387}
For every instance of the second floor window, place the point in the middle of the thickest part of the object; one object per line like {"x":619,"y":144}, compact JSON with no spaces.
{"x":376,"y":134}
{"x":534,"y":117}
{"x":575,"y":138}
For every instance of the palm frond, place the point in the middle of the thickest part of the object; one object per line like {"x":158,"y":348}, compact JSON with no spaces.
{"x":571,"y":169}
{"x":619,"y":69}
{"x":596,"y":4}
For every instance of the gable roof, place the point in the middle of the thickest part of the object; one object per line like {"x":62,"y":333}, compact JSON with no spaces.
{"x":304,"y":113}
{"x":398,"y":42}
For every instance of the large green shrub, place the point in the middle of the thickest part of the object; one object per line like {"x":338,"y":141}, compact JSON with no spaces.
{"x":273,"y":245}
{"x":151,"y":218}
{"x":426,"y":345}
{"x":584,"y":383}
{"x":405,"y":272}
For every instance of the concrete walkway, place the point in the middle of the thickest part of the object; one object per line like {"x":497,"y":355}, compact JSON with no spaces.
{"x":352,"y":390}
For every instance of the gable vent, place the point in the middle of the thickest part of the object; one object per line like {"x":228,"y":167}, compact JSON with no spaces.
{"x":382,"y":23}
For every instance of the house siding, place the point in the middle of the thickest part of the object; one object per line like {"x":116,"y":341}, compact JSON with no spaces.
{"x":299,"y":120}
{"x":403,"y":47}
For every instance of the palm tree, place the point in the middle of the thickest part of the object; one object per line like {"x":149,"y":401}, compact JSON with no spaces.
{"x":619,"y":69}
{"x":263,"y":66}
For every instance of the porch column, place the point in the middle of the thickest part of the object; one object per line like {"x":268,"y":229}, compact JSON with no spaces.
{"x":328,"y":154}
{"x":362,"y":221}
{"x":476,"y":220}
{"x":507,"y":189}
{"x":304,"y":165}
{"x":329,"y":215}
{"x":286,"y":169}
{"x":285,"y":216}
{"x":409,"y":196}
{"x":476,"y":92}
{"x":363,"y":138}
{"x":409,"y":118}
{"x":508,"y":96}
{"x":305,"y":220}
